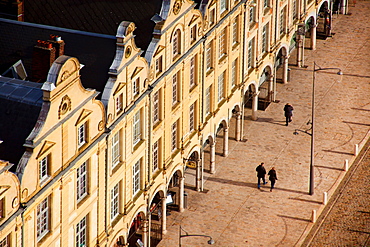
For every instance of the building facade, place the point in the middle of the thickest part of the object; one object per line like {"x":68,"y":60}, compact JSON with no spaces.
{"x":104,"y":171}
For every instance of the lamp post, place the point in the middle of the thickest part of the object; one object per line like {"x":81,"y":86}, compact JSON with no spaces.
{"x":312,"y":122}
{"x":210,"y":241}
{"x":312,"y":177}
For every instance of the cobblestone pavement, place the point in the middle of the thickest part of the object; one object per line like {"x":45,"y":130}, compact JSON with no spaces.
{"x":346,"y":219}
{"x":231,"y":209}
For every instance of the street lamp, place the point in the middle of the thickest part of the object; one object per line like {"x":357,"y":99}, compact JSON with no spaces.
{"x":210,"y":241}
{"x":312,"y":175}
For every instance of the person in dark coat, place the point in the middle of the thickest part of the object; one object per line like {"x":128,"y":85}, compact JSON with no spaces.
{"x":272,"y":177}
{"x":261,"y":173}
{"x":288,"y":112}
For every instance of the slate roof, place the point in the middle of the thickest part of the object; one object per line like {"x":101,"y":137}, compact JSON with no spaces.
{"x":97,"y":16}
{"x":95,"y":51}
{"x":20,"y":105}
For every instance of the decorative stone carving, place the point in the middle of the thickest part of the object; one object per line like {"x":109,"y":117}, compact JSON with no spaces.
{"x":128,"y":51}
{"x":15,"y":202}
{"x":64,"y":106}
{"x":101,"y":125}
{"x":177,"y":7}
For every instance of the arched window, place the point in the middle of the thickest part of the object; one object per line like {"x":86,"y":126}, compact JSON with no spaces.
{"x":176,"y":43}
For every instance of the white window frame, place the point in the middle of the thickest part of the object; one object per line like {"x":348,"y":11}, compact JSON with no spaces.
{"x":264,"y":38}
{"x":42,"y":215}
{"x":208,"y":100}
{"x":192,"y":117}
{"x":221,"y":87}
{"x":119,"y":103}
{"x":266,"y":3}
{"x":193,"y":71}
{"x":44,"y":168}
{"x":155,"y":156}
{"x":174,"y":136}
{"x":282,"y":21}
{"x":136,"y":87}
{"x":81,"y":134}
{"x":136,"y":177}
{"x":294,"y":11}
{"x":235,"y":26}
{"x":114,"y":208}
{"x":234,"y":72}
{"x":250,"y":53}
{"x":209,"y":54}
{"x":156,"y":109}
{"x":136,"y":128}
{"x":81,"y":232}
{"x":116,"y":149}
{"x":252,"y":14}
{"x":193,"y":33}
{"x":82,"y":181}
{"x":176,"y":43}
{"x":159,"y":65}
{"x":175,"y":88}
{"x":223,"y":6}
{"x":222,"y":43}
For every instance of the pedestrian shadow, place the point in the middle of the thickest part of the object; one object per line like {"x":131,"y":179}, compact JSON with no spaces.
{"x":305,"y":200}
{"x":337,"y":152}
{"x":271,"y":120}
{"x":331,"y":168}
{"x":293,"y":218}
{"x":289,"y":190}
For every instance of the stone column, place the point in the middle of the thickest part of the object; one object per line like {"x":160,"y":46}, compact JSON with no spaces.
{"x":255,"y":106}
{"x":300,"y":50}
{"x":164,"y":215}
{"x":197,"y":175}
{"x":313,"y":36}
{"x":271,"y":88}
{"x":181,"y":192}
{"x":343,"y":7}
{"x":145,"y":233}
{"x":285,"y":68}
{"x":213,"y":157}
{"x":226,"y":142}
{"x":238,"y":126}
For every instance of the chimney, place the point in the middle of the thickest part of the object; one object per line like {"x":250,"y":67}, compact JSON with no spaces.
{"x":58,"y":43}
{"x":12,"y":9}
{"x":44,"y":54}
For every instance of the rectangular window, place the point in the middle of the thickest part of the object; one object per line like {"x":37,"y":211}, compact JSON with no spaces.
{"x":209,"y":54}
{"x":44,"y":168}
{"x":156,"y":107}
{"x":193,"y":33}
{"x":176,"y":43}
{"x":221,"y":86}
{"x":208,"y":100}
{"x":81,"y":234}
{"x":294,"y":7}
{"x":252,"y":15}
{"x":81,"y":134}
{"x":222,"y":43}
{"x":136,"y":128}
{"x":212,"y":17}
{"x":192,"y":117}
{"x":136,"y":177}
{"x":236,"y":30}
{"x":175,"y":81}
{"x":250,"y":53}
{"x":119,"y":103}
{"x":114,"y":202}
{"x":234,"y":72}
{"x":155,"y":156}
{"x":223,"y":6}
{"x":2,"y":209}
{"x":282,"y":22}
{"x":264,"y":39}
{"x":265,"y":3}
{"x":158,"y":65}
{"x":81,"y":182}
{"x":5,"y":242}
{"x":136,"y":87}
{"x":174,"y":136}
{"x":192,"y":72}
{"x":115,"y":149}
{"x":42,"y":215}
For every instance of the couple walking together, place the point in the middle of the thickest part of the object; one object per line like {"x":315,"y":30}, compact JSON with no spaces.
{"x":261,"y":173}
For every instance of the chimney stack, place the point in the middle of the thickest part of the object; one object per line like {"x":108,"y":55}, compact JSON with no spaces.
{"x":58,"y":43}
{"x":44,"y":54}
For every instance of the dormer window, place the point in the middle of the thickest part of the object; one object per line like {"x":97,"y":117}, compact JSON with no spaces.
{"x":44,"y":168}
{"x":136,"y":87}
{"x":176,"y":43}
{"x":193,"y":33}
{"x":81,"y":134}
{"x":223,"y":6}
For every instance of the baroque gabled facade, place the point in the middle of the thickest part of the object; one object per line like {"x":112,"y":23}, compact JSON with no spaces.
{"x":104,"y":170}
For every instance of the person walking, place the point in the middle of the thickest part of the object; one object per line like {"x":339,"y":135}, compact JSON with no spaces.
{"x":261,"y":173}
{"x":288,"y":112}
{"x":272,"y":177}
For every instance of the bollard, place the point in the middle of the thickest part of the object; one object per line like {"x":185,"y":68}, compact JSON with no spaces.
{"x":356,"y":149}
{"x":325,"y":198}
{"x":346,"y":165}
{"x":313,"y":218}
